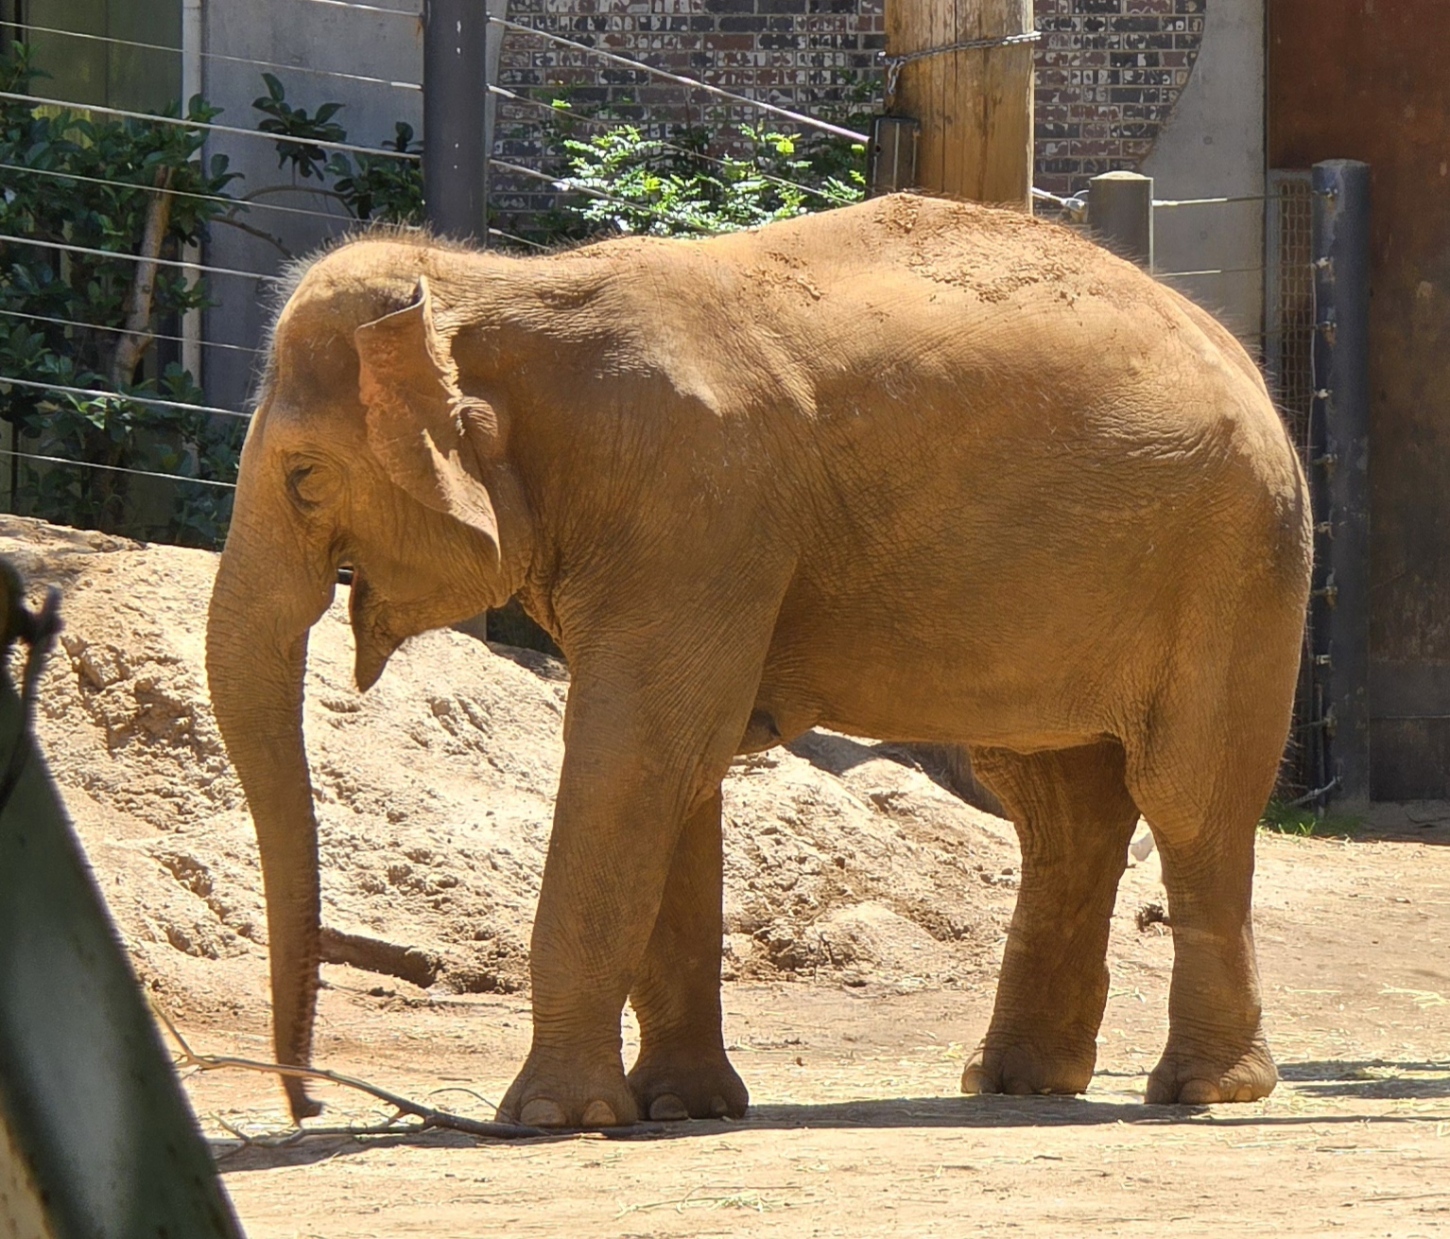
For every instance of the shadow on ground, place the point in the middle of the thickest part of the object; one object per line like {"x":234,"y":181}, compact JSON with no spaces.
{"x":1376,"y":1080}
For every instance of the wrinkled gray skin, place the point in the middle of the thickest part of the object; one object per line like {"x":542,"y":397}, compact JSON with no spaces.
{"x":912,"y":470}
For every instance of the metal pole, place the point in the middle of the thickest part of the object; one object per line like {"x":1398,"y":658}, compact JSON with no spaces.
{"x":1339,"y":467}
{"x":1120,"y":212}
{"x":455,"y":87}
{"x":891,"y":157}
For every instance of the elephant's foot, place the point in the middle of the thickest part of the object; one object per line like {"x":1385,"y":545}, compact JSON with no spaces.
{"x":560,"y":1089}
{"x":682,"y":1084}
{"x":1021,"y":1068}
{"x":1187,"y":1078}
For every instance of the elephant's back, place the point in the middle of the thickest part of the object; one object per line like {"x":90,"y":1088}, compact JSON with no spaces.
{"x":979,"y":350}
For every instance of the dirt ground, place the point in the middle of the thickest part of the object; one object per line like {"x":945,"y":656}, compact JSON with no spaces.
{"x":866,"y":909}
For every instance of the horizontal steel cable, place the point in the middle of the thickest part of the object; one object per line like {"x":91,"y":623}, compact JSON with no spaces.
{"x":140,"y":473}
{"x":367,"y":8}
{"x":1211,"y":271}
{"x":96,"y":393}
{"x":1067,"y":204}
{"x":208,"y":126}
{"x":124,"y":331}
{"x":247,"y":203}
{"x":1160,"y":203}
{"x":508,"y":236}
{"x":693,"y":83}
{"x":239,"y":60}
{"x":125,"y":257}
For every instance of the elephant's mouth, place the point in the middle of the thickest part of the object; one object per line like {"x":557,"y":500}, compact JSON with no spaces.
{"x":374,"y":637}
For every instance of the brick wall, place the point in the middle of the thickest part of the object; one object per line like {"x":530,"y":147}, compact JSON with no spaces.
{"x":813,"y":56}
{"x":1108,"y":74}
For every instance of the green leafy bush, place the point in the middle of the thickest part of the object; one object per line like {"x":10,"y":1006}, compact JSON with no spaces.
{"x":371,"y":187}
{"x":635,"y":184}
{"x":78,"y":317}
{"x":617,"y":181}
{"x":85,"y":320}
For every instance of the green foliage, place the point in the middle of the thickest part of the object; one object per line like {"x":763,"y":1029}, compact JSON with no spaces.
{"x":381,"y":188}
{"x":89,"y":184}
{"x":371,"y":187}
{"x":303,"y":136}
{"x":635,"y":184}
{"x":1290,"y":819}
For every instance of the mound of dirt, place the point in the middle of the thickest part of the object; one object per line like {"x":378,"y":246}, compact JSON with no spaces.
{"x":435,"y":790}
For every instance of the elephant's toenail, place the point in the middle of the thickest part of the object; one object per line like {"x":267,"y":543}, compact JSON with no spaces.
{"x":599,"y":1114}
{"x":719,"y":1107}
{"x":1198,"y":1093}
{"x":667,"y":1108}
{"x":541,"y":1112}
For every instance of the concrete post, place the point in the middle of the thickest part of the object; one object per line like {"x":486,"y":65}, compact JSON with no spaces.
{"x":1120,"y":212}
{"x":1339,"y":468}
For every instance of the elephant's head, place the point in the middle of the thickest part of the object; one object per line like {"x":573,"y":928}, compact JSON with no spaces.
{"x":368,"y":450}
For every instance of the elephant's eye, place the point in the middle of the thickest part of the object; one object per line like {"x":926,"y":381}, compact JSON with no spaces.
{"x":306,"y":486}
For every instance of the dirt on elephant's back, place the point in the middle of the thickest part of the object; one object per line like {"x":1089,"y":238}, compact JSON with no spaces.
{"x":435,"y":794}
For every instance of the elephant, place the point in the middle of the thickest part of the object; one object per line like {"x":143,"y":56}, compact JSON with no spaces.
{"x":915,"y":470}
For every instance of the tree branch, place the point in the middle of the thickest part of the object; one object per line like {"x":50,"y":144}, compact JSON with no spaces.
{"x":233,"y":222}
{"x":133,"y":345}
{"x":429,"y":1116}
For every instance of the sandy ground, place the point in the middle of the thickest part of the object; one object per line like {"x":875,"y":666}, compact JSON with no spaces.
{"x":866,"y":908}
{"x":856,"y":1128}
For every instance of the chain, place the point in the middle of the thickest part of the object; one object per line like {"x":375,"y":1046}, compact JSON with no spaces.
{"x":894,"y":63}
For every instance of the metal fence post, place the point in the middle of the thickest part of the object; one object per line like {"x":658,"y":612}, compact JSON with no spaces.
{"x":1120,"y":211}
{"x":1339,"y":467}
{"x":455,"y":88}
{"x":891,"y":155}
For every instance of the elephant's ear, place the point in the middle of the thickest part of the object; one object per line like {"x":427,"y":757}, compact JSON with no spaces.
{"x":435,"y":442}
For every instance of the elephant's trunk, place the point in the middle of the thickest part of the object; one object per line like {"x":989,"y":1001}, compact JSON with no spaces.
{"x":262,"y":607}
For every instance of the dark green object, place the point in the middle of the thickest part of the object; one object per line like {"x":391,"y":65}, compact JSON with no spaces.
{"x":96,"y":1138}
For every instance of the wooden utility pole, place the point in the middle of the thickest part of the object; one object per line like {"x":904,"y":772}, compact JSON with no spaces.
{"x":974,"y":104}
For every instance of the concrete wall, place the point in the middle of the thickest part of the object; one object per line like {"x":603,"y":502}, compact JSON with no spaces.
{"x":1213,"y":146}
{"x":303,"y":38}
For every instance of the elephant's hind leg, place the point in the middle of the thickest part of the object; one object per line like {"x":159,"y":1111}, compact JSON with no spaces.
{"x":682,"y":1070}
{"x":1202,"y":782}
{"x":1074,"y":818}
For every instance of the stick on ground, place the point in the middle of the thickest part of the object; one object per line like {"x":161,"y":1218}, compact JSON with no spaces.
{"x":429,"y":1116}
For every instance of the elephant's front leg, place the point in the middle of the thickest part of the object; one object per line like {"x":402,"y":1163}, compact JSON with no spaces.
{"x":644,"y":741}
{"x":682,"y":1070}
